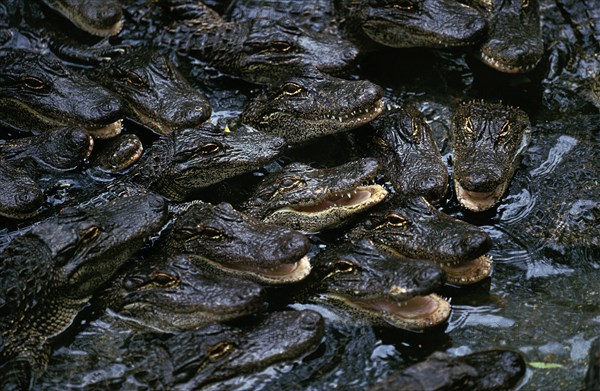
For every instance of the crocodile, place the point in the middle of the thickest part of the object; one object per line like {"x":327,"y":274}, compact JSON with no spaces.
{"x":224,"y":241}
{"x":58,"y":149}
{"x":312,"y":105}
{"x":117,"y":154}
{"x":195,"y":158}
{"x":50,"y":272}
{"x":514,"y":39}
{"x":485,"y":370}
{"x":37,"y":92}
{"x":256,"y":50}
{"x":310,"y":200}
{"x":192,"y":359}
{"x":98,"y":17}
{"x":409,"y":156}
{"x":413,"y":228}
{"x":171,"y":294}
{"x":372,"y":24}
{"x":153,"y":91}
{"x":21,"y":196}
{"x":385,"y":289}
{"x":488,"y":140}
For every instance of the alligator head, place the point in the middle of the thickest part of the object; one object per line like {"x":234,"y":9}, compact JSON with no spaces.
{"x":223,"y":240}
{"x":404,"y":145}
{"x":38,"y":92}
{"x":171,"y":294}
{"x":21,"y":195}
{"x":310,"y":199}
{"x":415,"y":229}
{"x":97,"y":17}
{"x":387,"y":290}
{"x":195,"y":158}
{"x":514,"y":42}
{"x":154,"y":93}
{"x":61,"y":149}
{"x":487,"y":140}
{"x":312,"y":105}
{"x":414,"y":23}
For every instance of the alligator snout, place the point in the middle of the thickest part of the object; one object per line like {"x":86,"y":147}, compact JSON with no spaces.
{"x":475,"y":244}
{"x":480,"y":180}
{"x":310,"y":320}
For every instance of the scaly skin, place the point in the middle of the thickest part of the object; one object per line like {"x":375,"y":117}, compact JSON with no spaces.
{"x":487,"y":370}
{"x":171,"y":294}
{"x":310,"y":200}
{"x":193,"y":359}
{"x":514,"y":43}
{"x":60,"y":149}
{"x":222,"y":240}
{"x":258,"y":50}
{"x":38,"y":93}
{"x":98,"y":17}
{"x":20,"y":196}
{"x":413,"y":228}
{"x":50,"y":272}
{"x":154,"y":93}
{"x":488,"y":140}
{"x":312,"y":105}
{"x":385,"y":289}
{"x":191,"y":159}
{"x":404,"y":145}
{"x":412,"y":23}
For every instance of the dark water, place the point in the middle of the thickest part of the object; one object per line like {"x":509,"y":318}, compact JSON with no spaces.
{"x":543,"y":298}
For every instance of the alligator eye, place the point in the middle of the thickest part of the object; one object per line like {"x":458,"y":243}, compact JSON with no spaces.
{"x":219,"y":350}
{"x":90,"y":234}
{"x":469,"y":127}
{"x":291,"y":88}
{"x":396,"y":220}
{"x":403,"y":5}
{"x":162,"y":279}
{"x":209,"y":148}
{"x":525,"y":4}
{"x":287,"y":183}
{"x":416,"y":130}
{"x":504,"y":133}
{"x":168,"y":67}
{"x":281,"y":46}
{"x":209,"y":232}
{"x":344,"y":267}
{"x":134,"y":79}
{"x":33,"y":83}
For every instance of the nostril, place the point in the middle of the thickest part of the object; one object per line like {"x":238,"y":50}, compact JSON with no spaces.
{"x":298,"y":242}
{"x":310,"y":320}
{"x":156,"y":202}
{"x":429,"y":276}
{"x":479,"y":242}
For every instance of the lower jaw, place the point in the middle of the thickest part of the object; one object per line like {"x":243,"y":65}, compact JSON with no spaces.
{"x":495,"y":64}
{"x":478,"y":201}
{"x":106,"y":131}
{"x":470,"y":272}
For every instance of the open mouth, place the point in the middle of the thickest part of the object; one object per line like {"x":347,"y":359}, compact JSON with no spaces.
{"x":467,"y":272}
{"x":285,"y":273}
{"x":416,"y":314}
{"x":492,"y":62}
{"x":330,"y":211}
{"x":105,"y":131}
{"x":478,"y":201}
{"x":359,"y":117}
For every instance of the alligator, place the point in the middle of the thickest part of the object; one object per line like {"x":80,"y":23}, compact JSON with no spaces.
{"x":21,"y":196}
{"x":192,"y":359}
{"x":37,"y":93}
{"x":50,"y":273}
{"x":256,"y":50}
{"x":153,"y":92}
{"x":312,"y":105}
{"x":117,"y":154}
{"x":171,"y":294}
{"x":58,"y":149}
{"x":409,"y":156}
{"x":224,"y":241}
{"x":97,"y":17}
{"x":485,"y":370}
{"x":387,"y":290}
{"x":195,"y":158}
{"x":488,"y":140}
{"x":514,"y":39}
{"x":371,"y":24}
{"x":592,"y":375}
{"x":311,"y":200}
{"x":413,"y":228}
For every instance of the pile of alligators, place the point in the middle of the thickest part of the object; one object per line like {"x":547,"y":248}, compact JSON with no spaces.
{"x":185,"y":184}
